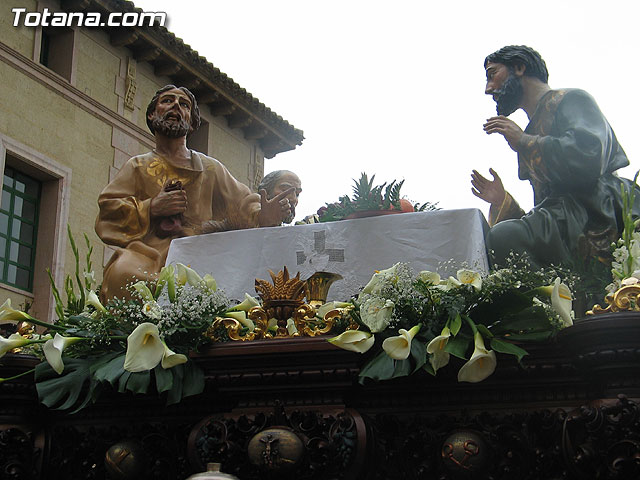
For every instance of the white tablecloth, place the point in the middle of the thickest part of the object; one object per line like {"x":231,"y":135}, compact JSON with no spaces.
{"x":351,"y":248}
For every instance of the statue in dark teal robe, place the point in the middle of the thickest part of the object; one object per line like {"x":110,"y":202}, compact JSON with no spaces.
{"x":568,"y":152}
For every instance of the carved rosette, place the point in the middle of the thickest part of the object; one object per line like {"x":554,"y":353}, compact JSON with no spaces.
{"x":298,"y":444}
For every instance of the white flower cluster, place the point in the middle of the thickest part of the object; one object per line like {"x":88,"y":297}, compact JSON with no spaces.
{"x":625,"y":268}
{"x":192,"y":302}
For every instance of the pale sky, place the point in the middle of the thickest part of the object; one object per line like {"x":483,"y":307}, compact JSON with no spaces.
{"x":396,"y":89}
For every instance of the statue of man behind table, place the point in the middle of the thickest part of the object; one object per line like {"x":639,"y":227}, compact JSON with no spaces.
{"x":568,"y":152}
{"x":172,"y":192}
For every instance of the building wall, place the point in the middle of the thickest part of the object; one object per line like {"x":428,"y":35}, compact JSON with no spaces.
{"x":79,"y":132}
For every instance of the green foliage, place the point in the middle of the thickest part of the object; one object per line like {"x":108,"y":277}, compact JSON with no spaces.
{"x":368,"y":197}
{"x":503,"y":308}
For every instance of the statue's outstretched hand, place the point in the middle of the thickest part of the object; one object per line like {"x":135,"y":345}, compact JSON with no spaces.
{"x":491,"y":191}
{"x":505,"y":127}
{"x":274,"y":211}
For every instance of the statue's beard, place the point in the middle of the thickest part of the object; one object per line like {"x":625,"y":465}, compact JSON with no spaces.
{"x":171,"y":127}
{"x":508,"y":97}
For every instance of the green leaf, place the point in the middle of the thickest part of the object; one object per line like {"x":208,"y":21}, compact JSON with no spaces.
{"x":381,"y":367}
{"x":505,"y":347}
{"x":484,"y":331}
{"x":122,"y":382}
{"x":110,"y":371}
{"x":455,"y":325}
{"x":457,"y":346}
{"x":71,"y":388}
{"x":401,"y":368}
{"x":508,"y":303}
{"x":164,"y":379}
{"x":427,"y":367}
{"x":139,"y":382}
{"x":175,"y":394}
{"x":193,"y":382}
{"x":419,"y":354}
{"x":532,"y":319}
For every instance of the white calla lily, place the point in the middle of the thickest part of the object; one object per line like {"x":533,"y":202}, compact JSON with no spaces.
{"x":481,"y":364}
{"x":15,"y":340}
{"x":241,"y":317}
{"x":438,"y":357}
{"x":152,"y":310}
{"x":53,"y":349}
{"x":210,"y":282}
{"x":170,"y":358}
{"x":354,"y":341}
{"x":562,"y":302}
{"x":430,"y":278}
{"x":7,"y":312}
{"x":329,"y":306}
{"x":166,"y":277}
{"x":291,"y":327}
{"x":375,"y":313}
{"x":91,"y":298}
{"x":143,"y":291}
{"x":378,"y":280}
{"x":247,"y":304}
{"x":399,"y":347}
{"x":470,"y":277}
{"x":629,"y":281}
{"x":144,"y":348}
{"x":188,"y":275}
{"x":449,"y":284}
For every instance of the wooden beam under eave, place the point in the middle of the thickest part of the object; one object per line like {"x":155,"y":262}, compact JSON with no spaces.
{"x":123,"y":37}
{"x":271,"y":143}
{"x":147,"y":54}
{"x":206,"y":96}
{"x":255,"y":132}
{"x":218,"y":109}
{"x":273,"y":152}
{"x":191,"y":82}
{"x":239,"y":120}
{"x":167,"y":69}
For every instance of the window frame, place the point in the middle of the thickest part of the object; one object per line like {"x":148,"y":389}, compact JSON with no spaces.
{"x":52,"y":220}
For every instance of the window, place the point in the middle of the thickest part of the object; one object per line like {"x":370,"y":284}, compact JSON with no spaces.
{"x":18,"y":228}
{"x":56,"y":50}
{"x":34,"y":210}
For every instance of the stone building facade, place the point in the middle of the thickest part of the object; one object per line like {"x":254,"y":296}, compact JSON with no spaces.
{"x":72,"y":111}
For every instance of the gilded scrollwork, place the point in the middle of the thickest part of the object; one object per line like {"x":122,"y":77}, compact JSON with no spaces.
{"x":283,"y":313}
{"x":623,"y":300}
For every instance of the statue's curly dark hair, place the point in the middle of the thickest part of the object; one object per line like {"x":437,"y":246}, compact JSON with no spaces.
{"x":513,"y":55}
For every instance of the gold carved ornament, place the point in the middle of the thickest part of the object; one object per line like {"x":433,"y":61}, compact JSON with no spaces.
{"x":624,"y":299}
{"x":283,"y":307}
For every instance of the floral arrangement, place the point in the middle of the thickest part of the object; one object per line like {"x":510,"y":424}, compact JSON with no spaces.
{"x":367,"y":197}
{"x":407,"y":322}
{"x":625,"y":268}
{"x":417,"y":321}
{"x":92,"y":346}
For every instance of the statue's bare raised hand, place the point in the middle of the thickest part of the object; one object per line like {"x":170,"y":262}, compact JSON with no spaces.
{"x":274,"y":211}
{"x":491,"y":191}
